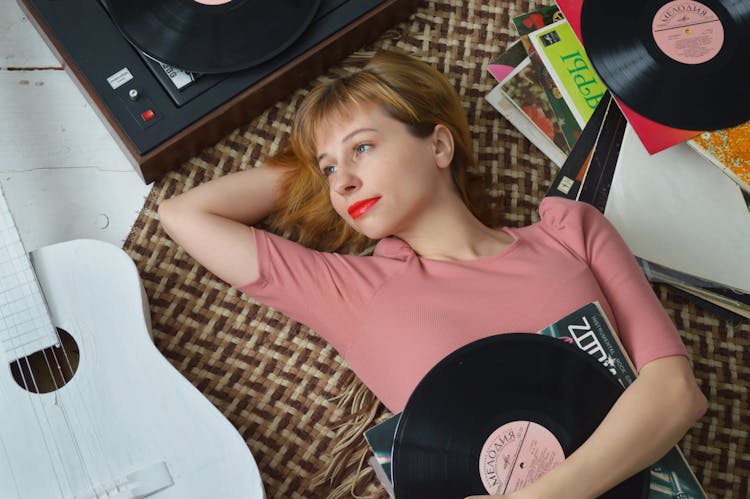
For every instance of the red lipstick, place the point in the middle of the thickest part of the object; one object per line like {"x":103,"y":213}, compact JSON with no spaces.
{"x":359,"y":208}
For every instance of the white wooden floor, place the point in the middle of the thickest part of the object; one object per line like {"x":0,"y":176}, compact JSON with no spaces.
{"x":62,"y":174}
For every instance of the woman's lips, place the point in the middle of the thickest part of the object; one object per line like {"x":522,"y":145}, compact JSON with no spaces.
{"x":359,"y":208}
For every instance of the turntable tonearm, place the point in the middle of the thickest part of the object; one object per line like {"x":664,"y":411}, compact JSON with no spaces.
{"x":161,"y":115}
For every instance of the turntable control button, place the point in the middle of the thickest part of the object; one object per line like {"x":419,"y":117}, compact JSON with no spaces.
{"x":147,"y":115}
{"x":133,"y":94}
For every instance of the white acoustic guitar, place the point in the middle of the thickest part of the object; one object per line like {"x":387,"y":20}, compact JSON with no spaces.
{"x":88,"y":406}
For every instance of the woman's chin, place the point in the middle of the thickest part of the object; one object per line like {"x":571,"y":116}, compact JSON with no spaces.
{"x":370,"y":231}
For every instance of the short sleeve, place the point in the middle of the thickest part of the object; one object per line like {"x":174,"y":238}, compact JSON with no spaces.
{"x":321,"y":290}
{"x":643,"y":325}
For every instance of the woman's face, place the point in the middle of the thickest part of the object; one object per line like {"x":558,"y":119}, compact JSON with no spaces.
{"x":382,"y":179}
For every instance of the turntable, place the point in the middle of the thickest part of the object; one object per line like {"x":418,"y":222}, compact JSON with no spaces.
{"x":171,"y":77}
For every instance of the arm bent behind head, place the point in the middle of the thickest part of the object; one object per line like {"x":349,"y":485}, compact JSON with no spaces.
{"x":212,"y":221}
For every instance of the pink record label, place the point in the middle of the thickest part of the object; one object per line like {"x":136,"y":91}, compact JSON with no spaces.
{"x":688,"y":31}
{"x":212,"y":2}
{"x":516,"y":455}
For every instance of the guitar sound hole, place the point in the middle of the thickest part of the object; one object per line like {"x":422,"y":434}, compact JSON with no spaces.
{"x":47,"y":370}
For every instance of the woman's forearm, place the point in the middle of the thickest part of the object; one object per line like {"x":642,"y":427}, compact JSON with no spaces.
{"x":246,"y":197}
{"x":650,"y":417}
{"x":211,"y":221}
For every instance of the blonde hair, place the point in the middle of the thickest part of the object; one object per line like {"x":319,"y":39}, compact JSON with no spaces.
{"x":408,"y":90}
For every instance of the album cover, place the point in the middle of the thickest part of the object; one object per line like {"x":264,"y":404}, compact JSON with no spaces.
{"x":712,"y":295}
{"x":654,"y":136}
{"x":676,"y":193}
{"x":522,"y":87}
{"x":729,"y":149}
{"x":526,"y":24}
{"x":589,"y":329}
{"x":568,"y":181}
{"x":380,"y":439}
{"x":522,"y":122}
{"x":570,"y":68}
{"x":501,"y":66}
{"x":536,"y":19}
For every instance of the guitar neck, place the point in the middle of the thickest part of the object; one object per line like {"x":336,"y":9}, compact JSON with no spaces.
{"x":25,"y":324}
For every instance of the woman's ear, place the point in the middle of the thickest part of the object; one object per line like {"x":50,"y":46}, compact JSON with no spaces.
{"x":443,"y":146}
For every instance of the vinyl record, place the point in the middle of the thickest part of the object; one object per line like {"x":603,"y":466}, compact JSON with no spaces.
{"x":681,"y":63}
{"x":212,"y":38}
{"x":498,"y":413}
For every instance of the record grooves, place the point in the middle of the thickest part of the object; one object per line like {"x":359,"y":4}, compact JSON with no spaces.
{"x":499,"y":412}
{"x":219,"y":38}
{"x":681,"y":63}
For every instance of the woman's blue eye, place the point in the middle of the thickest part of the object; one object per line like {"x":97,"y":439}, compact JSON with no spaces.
{"x":329,"y":170}
{"x":362,"y":148}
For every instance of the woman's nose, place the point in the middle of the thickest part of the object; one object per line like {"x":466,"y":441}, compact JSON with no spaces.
{"x":346,"y":181}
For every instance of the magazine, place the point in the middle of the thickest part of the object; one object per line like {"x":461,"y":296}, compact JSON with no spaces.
{"x":589,"y":329}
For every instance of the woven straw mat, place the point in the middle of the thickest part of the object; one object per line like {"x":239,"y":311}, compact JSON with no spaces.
{"x":275,"y":380}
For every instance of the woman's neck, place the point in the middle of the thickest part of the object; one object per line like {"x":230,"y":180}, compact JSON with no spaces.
{"x":449,"y":231}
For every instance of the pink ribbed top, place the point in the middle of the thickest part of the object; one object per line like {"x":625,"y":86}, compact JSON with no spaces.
{"x":394,"y":315}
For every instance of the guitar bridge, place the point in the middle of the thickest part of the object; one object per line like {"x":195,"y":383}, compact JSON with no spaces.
{"x":136,"y":484}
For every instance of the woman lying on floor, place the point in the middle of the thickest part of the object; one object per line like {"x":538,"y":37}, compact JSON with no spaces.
{"x":382,"y":155}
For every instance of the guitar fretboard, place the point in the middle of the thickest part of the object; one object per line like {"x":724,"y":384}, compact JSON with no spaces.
{"x":25,"y":325}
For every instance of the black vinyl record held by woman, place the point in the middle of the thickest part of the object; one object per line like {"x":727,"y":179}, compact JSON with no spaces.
{"x":498,"y":413}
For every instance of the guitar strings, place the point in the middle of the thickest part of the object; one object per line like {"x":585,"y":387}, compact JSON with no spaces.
{"x":30,"y":385}
{"x":92,"y":427}
{"x":63,"y":410}
{"x":73,"y":391}
{"x":40,"y":425}
{"x":7,"y":219}
{"x":62,"y":407}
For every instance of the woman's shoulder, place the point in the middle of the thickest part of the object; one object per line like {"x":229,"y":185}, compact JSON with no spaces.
{"x":393,"y":248}
{"x":574,"y":224}
{"x":561,"y":214}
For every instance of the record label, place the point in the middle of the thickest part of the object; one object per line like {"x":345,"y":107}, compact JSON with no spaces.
{"x":516,"y":455}
{"x":688,"y":31}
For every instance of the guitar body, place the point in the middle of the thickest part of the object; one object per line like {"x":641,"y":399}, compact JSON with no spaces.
{"x":126,"y":424}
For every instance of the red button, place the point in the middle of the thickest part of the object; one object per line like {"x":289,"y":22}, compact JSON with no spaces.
{"x":147,"y":115}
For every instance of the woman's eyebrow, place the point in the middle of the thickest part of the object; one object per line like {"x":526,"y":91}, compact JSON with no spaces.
{"x":348,"y":136}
